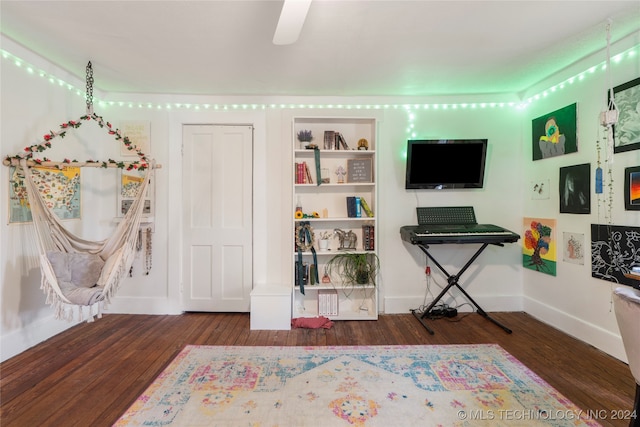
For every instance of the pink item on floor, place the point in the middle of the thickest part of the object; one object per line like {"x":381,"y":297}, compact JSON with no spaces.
{"x":311,"y":322}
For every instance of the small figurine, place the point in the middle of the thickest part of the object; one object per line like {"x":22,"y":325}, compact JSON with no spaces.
{"x":341,"y":173}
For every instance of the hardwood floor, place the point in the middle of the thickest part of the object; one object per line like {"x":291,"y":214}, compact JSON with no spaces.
{"x":90,"y":374}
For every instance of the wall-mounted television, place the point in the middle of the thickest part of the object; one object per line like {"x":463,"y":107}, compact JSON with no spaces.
{"x":445,"y":163}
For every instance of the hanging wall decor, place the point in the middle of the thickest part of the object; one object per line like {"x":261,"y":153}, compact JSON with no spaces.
{"x":632,"y":188}
{"x":555,"y":134}
{"x":626,"y":132}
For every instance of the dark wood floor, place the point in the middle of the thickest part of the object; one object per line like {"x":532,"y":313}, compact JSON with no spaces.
{"x":90,"y":374}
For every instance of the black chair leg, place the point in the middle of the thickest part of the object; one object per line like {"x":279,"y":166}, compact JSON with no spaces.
{"x":635,"y":415}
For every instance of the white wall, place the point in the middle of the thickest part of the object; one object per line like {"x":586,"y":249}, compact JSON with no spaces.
{"x":571,"y":301}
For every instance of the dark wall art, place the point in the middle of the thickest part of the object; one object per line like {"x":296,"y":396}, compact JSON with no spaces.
{"x":575,"y":189}
{"x":632,"y":188}
{"x":614,"y":250}
{"x":626,"y":132}
{"x":555,"y":134}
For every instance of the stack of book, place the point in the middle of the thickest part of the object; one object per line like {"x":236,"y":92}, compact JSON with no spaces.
{"x":302,"y":173}
{"x":327,"y":302}
{"x":355,"y":206}
{"x":334,"y":141}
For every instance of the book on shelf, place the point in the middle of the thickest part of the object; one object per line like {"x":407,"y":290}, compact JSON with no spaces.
{"x":365,"y":207}
{"x":327,"y":302}
{"x":329,"y":139}
{"x":341,"y":143}
{"x":354,"y":207}
{"x":305,"y":273}
{"x":368,"y":237}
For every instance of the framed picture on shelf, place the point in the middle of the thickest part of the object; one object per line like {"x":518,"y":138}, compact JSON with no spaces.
{"x":632,"y":188}
{"x":626,"y":131}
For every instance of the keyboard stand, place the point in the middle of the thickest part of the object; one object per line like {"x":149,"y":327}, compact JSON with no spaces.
{"x":453,"y":281}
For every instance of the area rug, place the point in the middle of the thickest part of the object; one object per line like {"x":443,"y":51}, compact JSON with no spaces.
{"x":443,"y":385}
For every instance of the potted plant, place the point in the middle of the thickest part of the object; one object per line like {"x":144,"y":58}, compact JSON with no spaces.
{"x":354,"y":269}
{"x":305,"y":137}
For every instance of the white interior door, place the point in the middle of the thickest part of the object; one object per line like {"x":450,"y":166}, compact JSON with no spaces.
{"x":217,"y":181}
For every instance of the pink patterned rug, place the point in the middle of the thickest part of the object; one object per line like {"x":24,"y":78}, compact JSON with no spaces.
{"x":452,"y":385}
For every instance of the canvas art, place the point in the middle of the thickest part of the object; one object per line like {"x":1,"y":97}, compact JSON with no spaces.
{"x":626,"y":132}
{"x":575,"y":189}
{"x":614,"y":250}
{"x":555,"y":134}
{"x":539,"y":245}
{"x":61,"y":185}
{"x":139,"y":133}
{"x":573,"y":248}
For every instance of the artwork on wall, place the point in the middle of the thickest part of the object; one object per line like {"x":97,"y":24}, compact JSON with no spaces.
{"x":539,"y":245}
{"x":614,"y":250}
{"x":632,"y":188}
{"x":555,"y":134}
{"x":575,"y":189}
{"x":139,"y":133}
{"x":626,"y":132}
{"x":573,"y":248}
{"x":61,"y":185}
{"x":129,"y":183}
{"x":539,"y":189}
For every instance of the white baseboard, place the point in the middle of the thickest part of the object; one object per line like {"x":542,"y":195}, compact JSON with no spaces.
{"x":15,"y":342}
{"x":594,"y":335}
{"x":142,"y":305}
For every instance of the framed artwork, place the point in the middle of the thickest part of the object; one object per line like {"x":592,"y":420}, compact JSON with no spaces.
{"x":575,"y":189}
{"x":626,"y":132}
{"x":539,"y":245}
{"x":128,"y":183}
{"x":555,"y":134}
{"x":573,"y":248}
{"x":632,"y":188}
{"x":359,"y":170}
{"x":539,"y":189}
{"x":614,"y":250}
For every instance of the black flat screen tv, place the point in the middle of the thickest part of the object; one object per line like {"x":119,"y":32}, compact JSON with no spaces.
{"x":445,"y":163}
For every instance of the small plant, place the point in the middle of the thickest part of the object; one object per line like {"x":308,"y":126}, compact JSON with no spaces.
{"x":305,"y":136}
{"x":325,"y":235}
{"x":355,"y":268}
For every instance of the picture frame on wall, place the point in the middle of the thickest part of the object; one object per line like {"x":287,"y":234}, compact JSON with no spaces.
{"x":626,"y":131}
{"x":575,"y":189}
{"x":556,"y":133}
{"x":632,"y":188}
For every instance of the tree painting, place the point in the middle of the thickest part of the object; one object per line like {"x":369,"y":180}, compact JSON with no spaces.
{"x":539,"y":245}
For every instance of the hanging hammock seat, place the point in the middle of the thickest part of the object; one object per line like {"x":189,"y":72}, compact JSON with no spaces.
{"x":76,"y":271}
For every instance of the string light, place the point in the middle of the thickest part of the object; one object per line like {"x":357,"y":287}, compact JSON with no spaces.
{"x":33,"y":70}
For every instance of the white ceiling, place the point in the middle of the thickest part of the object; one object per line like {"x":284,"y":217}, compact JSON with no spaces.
{"x":346,"y":48}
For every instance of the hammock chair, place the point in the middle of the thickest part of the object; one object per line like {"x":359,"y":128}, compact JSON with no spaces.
{"x":76,"y":271}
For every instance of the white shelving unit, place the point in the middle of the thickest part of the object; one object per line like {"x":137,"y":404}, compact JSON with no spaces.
{"x":330,"y":199}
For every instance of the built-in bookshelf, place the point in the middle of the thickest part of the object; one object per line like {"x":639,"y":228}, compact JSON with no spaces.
{"x":334,"y":187}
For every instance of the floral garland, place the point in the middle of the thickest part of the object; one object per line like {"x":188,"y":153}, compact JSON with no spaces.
{"x":141,"y":164}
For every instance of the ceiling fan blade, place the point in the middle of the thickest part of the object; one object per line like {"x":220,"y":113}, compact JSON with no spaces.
{"x":292,"y":17}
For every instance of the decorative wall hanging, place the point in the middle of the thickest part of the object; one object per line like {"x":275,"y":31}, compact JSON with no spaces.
{"x":614,"y":250}
{"x":575,"y":189}
{"x":632,"y":188}
{"x":539,"y":245}
{"x":139,"y":133}
{"x":626,"y":132}
{"x":555,"y":134}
